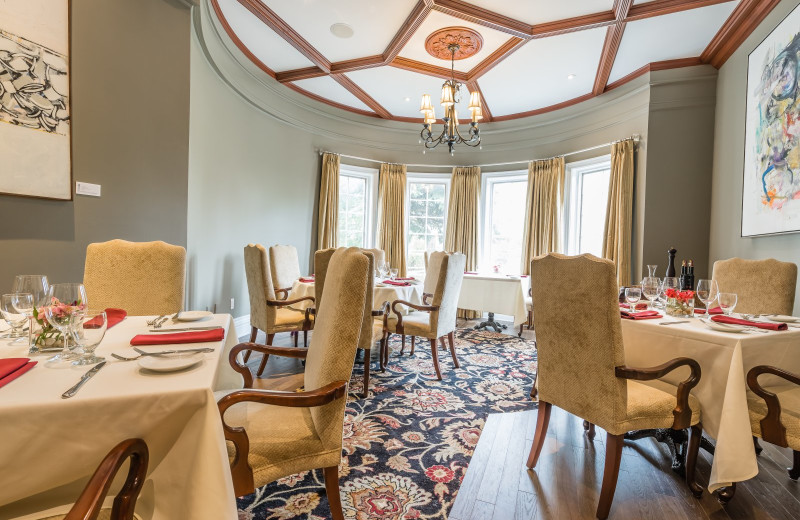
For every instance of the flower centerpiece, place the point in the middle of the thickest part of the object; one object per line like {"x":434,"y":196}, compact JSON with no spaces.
{"x":679,"y":303}
{"x":45,"y":335}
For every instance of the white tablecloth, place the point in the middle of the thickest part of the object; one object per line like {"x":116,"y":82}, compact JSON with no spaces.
{"x":384,"y":293}
{"x":49,"y":446}
{"x":495,"y":293}
{"x":724,"y":359}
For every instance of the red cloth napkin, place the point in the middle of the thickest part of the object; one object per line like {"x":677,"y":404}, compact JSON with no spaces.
{"x":644,"y":315}
{"x":200,"y":336}
{"x":712,"y":310}
{"x":406,"y":278}
{"x":113,"y":316}
{"x":748,"y":323}
{"x":309,"y":279}
{"x":392,"y":282}
{"x":639,"y":306}
{"x":12,"y":368}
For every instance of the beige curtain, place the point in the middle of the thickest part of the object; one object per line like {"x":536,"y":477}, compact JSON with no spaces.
{"x":392,"y":215}
{"x":619,"y":211}
{"x":542,"y":228}
{"x":328,"y":221}
{"x":462,"y":219}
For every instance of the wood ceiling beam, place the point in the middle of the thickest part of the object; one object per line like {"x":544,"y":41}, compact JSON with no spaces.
{"x":502,"y":52}
{"x":656,"y":65}
{"x":473,"y":86}
{"x":287,"y":32}
{"x":426,"y":68}
{"x":298,"y":74}
{"x":621,"y":8}
{"x":662,"y":7}
{"x":338,"y":67}
{"x":407,"y":30}
{"x":361,"y":95}
{"x":329,"y":102}
{"x":479,"y":15}
{"x":739,"y":25}
{"x":578,"y":23}
{"x":607,"y":57}
{"x":237,"y":41}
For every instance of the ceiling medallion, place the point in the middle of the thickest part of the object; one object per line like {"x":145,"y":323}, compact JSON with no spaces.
{"x":469,"y":43}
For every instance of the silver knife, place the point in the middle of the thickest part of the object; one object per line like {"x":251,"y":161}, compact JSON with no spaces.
{"x":87,"y":376}
{"x":185,"y":329}
{"x":673,"y":322}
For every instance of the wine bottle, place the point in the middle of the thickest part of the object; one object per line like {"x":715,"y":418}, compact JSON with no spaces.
{"x":682,"y":278}
{"x":690,"y":276}
{"x":671,"y":262}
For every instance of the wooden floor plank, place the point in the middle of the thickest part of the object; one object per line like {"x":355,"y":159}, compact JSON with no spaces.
{"x":513,"y":468}
{"x":493,"y":471}
{"x":468,"y":491}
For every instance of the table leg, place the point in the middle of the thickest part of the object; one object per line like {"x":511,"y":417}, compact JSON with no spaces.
{"x":498,"y":327}
{"x":676,"y":441}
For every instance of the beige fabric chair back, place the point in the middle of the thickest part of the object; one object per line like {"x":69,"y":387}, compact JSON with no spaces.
{"x":579,"y":336}
{"x":379,"y":256}
{"x":322,"y":259}
{"x":259,"y":286}
{"x":433,"y":265}
{"x":337,"y":329}
{"x":284,"y":266}
{"x":144,"y":278}
{"x":448,"y":288}
{"x":761,"y":286}
{"x":366,"y":328}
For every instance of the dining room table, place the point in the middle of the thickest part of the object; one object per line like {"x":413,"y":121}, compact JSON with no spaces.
{"x":496,"y":294}
{"x":724,"y":358}
{"x":50,"y":446}
{"x":409,"y":290}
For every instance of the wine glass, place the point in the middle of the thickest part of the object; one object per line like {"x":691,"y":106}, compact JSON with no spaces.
{"x":669,"y":282}
{"x":66,"y":307}
{"x":88,"y":334}
{"x":651,"y":288}
{"x":632,"y":296}
{"x":707,"y":291}
{"x":15,"y":309}
{"x":35,"y":284}
{"x":727,"y":302}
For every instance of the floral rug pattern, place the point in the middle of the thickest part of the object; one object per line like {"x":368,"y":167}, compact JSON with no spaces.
{"x":407,"y":446}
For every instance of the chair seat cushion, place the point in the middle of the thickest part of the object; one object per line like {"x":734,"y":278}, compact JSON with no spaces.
{"x":287,"y":318}
{"x":650,"y":407}
{"x":418,"y":323}
{"x":105,"y":514}
{"x":789,"y":397}
{"x":283,"y":441}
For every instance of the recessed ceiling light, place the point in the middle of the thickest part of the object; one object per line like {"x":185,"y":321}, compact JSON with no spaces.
{"x":571,"y":76}
{"x":342,"y":30}
{"x":408,"y":99}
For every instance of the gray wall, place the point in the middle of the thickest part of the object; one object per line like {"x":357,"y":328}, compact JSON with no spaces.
{"x":726,"y":200}
{"x":130,"y":108}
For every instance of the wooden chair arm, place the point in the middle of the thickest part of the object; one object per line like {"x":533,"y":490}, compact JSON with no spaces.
{"x":90,"y":502}
{"x":286,"y":303}
{"x":247,"y":375}
{"x":772,"y":429}
{"x":426,"y":308}
{"x":285,"y":292}
{"x":425,"y":297}
{"x":682,"y":412}
{"x":241,"y":471}
{"x":382,"y":311}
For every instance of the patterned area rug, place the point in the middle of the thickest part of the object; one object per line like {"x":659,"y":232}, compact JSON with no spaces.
{"x":407,"y":446}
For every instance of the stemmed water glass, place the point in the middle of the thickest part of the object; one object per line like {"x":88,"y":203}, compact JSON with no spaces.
{"x":393,"y":273}
{"x":66,"y":308}
{"x":707,"y":291}
{"x":651,"y":288}
{"x":16,"y":308}
{"x":89,"y":333}
{"x":36,"y":285}
{"x":632,"y":296}
{"x":727,"y":302}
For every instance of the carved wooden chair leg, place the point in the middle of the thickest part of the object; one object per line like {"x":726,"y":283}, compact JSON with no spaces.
{"x":542,"y":421}
{"x":266,"y":356}
{"x":794,"y":471}
{"x":435,"y":355}
{"x":332,"y":490}
{"x":305,"y":338}
{"x":724,"y":495}
{"x":413,"y":340}
{"x":367,"y":363}
{"x":451,"y":340}
{"x":296,"y":335}
{"x":402,"y":343}
{"x":757,"y":446}
{"x":695,"y":434}
{"x":589,"y":428}
{"x":610,"y":474}
{"x":519,"y":334}
{"x":253,"y":334}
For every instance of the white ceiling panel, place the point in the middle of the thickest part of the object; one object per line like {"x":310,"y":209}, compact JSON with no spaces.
{"x":374,"y":24}
{"x":327,"y":87}
{"x":536,"y":76}
{"x":267,"y":46}
{"x":541,"y":11}
{"x":684,"y":34}
{"x":391,"y":86}
{"x":415,"y":48}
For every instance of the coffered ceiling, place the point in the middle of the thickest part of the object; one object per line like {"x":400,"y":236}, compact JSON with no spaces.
{"x":537,"y":55}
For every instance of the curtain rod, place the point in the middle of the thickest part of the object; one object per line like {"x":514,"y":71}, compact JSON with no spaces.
{"x":635,"y":138}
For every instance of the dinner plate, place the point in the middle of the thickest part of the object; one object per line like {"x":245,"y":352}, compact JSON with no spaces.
{"x":192,"y":315}
{"x":170,"y":362}
{"x":783,"y":319}
{"x":722,"y":327}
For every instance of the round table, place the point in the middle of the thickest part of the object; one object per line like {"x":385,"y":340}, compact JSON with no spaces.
{"x":380,"y":293}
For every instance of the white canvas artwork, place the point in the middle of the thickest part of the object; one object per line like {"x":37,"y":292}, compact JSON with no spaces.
{"x":35,"y":126}
{"x":771,"y":187}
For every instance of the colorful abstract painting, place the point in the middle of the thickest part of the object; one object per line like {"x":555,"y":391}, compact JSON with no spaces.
{"x":35,"y":129}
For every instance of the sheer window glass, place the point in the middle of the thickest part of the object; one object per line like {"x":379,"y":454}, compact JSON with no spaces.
{"x":587,"y":200}
{"x":356,"y":207}
{"x":427,"y":218}
{"x":504,"y":218}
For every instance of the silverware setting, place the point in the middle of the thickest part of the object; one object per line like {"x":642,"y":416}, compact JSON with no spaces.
{"x":185,"y":329}
{"x":162,"y":353}
{"x":673,"y":322}
{"x":87,"y":376}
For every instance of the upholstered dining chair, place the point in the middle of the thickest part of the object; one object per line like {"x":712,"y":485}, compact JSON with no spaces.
{"x":273,"y":434}
{"x":89,"y":505}
{"x":267,"y":313}
{"x":379,"y":255}
{"x":436,"y":320}
{"x":144,"y":278}
{"x":761,"y":286}
{"x":582,"y":366}
{"x":284,"y":267}
{"x":433,"y":263}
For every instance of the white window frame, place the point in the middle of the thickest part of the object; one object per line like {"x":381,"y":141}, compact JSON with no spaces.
{"x":572,"y":200}
{"x":370,"y":175}
{"x":425,"y":178}
{"x":488,"y":180}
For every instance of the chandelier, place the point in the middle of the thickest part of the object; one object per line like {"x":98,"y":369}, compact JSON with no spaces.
{"x":451,"y":95}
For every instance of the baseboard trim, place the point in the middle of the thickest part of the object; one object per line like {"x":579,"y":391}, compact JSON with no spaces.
{"x":242,"y":325}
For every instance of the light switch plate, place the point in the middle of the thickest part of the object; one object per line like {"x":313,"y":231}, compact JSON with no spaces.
{"x":85,"y":188}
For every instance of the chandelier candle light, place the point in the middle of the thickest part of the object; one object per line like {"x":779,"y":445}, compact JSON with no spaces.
{"x":451,"y":94}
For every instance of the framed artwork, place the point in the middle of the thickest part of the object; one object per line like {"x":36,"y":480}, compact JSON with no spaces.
{"x":35,"y":122}
{"x":771,"y":186}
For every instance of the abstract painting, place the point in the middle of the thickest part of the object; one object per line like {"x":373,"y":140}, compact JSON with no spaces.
{"x":35,"y":124}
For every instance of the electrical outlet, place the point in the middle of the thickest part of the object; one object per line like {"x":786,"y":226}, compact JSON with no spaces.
{"x":231,"y":303}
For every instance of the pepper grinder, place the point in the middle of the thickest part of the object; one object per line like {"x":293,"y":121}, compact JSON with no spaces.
{"x":671,"y":262}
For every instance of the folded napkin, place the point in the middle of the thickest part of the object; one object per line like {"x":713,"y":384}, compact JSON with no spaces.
{"x":470,"y":272}
{"x":639,"y":306}
{"x":113,"y":316}
{"x":406,"y":278}
{"x":200,"y":336}
{"x":644,"y":315}
{"x":747,"y":323}
{"x":712,"y":310}
{"x":393,"y":282}
{"x":309,"y":279}
{"x":12,"y":368}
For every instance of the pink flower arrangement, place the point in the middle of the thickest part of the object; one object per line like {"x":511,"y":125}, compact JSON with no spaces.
{"x":48,"y":333}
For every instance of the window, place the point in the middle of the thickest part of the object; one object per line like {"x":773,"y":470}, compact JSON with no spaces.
{"x":356,"y":206}
{"x":427,"y":218}
{"x":587,"y":196}
{"x":504,"y":220}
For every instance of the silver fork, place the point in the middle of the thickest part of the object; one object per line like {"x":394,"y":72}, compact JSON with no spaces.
{"x":154,"y":320}
{"x":124,"y":358}
{"x":161,"y":322}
